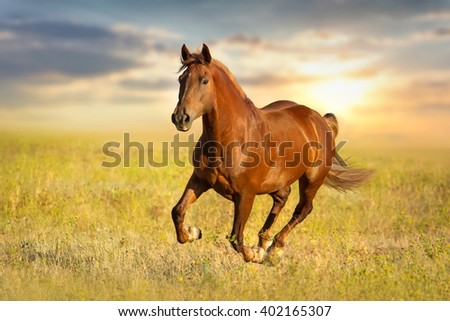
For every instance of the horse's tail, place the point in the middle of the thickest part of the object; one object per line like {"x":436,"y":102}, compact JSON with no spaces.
{"x":343,"y":177}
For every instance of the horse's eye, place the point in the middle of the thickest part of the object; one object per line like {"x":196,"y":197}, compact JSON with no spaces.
{"x":205,"y":81}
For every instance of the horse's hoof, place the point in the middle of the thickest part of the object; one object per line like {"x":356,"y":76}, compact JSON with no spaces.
{"x":259,"y":254}
{"x":274,"y":254}
{"x":255,"y":254}
{"x":194,"y":233}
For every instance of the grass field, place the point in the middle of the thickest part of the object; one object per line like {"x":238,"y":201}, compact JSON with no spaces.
{"x":71,"y":229}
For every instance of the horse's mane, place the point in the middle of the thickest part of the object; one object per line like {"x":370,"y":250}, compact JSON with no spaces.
{"x":194,"y":58}
{"x":197,"y":58}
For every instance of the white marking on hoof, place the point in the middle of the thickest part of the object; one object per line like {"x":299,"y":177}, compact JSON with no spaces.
{"x":259,"y":254}
{"x":194,"y":233}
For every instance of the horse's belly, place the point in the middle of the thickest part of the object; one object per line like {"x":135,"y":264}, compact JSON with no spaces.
{"x":276,"y":180}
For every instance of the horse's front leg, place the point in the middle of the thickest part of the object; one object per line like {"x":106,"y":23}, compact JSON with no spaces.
{"x":194,"y":188}
{"x":243,"y":204}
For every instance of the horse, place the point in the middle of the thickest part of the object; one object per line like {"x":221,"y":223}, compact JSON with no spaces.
{"x":246,"y":151}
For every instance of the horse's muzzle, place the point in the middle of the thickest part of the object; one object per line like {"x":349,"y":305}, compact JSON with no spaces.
{"x":182,"y":121}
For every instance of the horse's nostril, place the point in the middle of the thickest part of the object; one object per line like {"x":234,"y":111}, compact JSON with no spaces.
{"x":181,"y":119}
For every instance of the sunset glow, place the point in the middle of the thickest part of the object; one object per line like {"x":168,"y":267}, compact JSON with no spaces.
{"x":341,"y":93}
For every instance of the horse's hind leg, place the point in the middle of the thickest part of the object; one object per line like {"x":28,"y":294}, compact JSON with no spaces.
{"x":308,"y":190}
{"x":279,"y":200}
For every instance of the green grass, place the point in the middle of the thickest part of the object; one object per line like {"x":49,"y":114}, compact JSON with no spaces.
{"x":73,"y":230}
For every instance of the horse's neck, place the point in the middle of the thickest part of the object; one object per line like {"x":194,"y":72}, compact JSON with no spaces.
{"x":233,"y":112}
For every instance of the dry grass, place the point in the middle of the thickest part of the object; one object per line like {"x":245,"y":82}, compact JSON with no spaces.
{"x":73,"y":230}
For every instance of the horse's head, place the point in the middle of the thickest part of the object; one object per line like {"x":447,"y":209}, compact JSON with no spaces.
{"x":197,"y":94}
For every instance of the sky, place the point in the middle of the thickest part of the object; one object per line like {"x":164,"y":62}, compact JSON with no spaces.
{"x":382,"y":67}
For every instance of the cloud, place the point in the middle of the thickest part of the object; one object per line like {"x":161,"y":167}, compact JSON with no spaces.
{"x":6,"y":35}
{"x":62,"y":62}
{"x":441,"y":32}
{"x":434,"y":15}
{"x":140,"y":84}
{"x":412,"y":38}
{"x":303,"y":57}
{"x":244,"y":39}
{"x":409,"y":96}
{"x":274,"y":80}
{"x":161,"y":33}
{"x":431,"y":84}
{"x":61,"y":30}
{"x":309,"y":40}
{"x":69,"y":62}
{"x":30,"y":47}
{"x":438,"y":108}
{"x":71,"y":49}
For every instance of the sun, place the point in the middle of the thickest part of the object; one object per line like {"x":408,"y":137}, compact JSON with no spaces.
{"x":340,"y":94}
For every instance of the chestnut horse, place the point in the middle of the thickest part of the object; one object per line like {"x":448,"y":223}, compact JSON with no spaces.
{"x":245,"y":151}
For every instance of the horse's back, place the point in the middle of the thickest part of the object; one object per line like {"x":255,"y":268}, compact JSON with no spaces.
{"x":279,"y":105}
{"x":289,"y":111}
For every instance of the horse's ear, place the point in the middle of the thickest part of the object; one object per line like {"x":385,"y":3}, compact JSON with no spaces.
{"x":206,"y":54}
{"x":185,"y":53}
